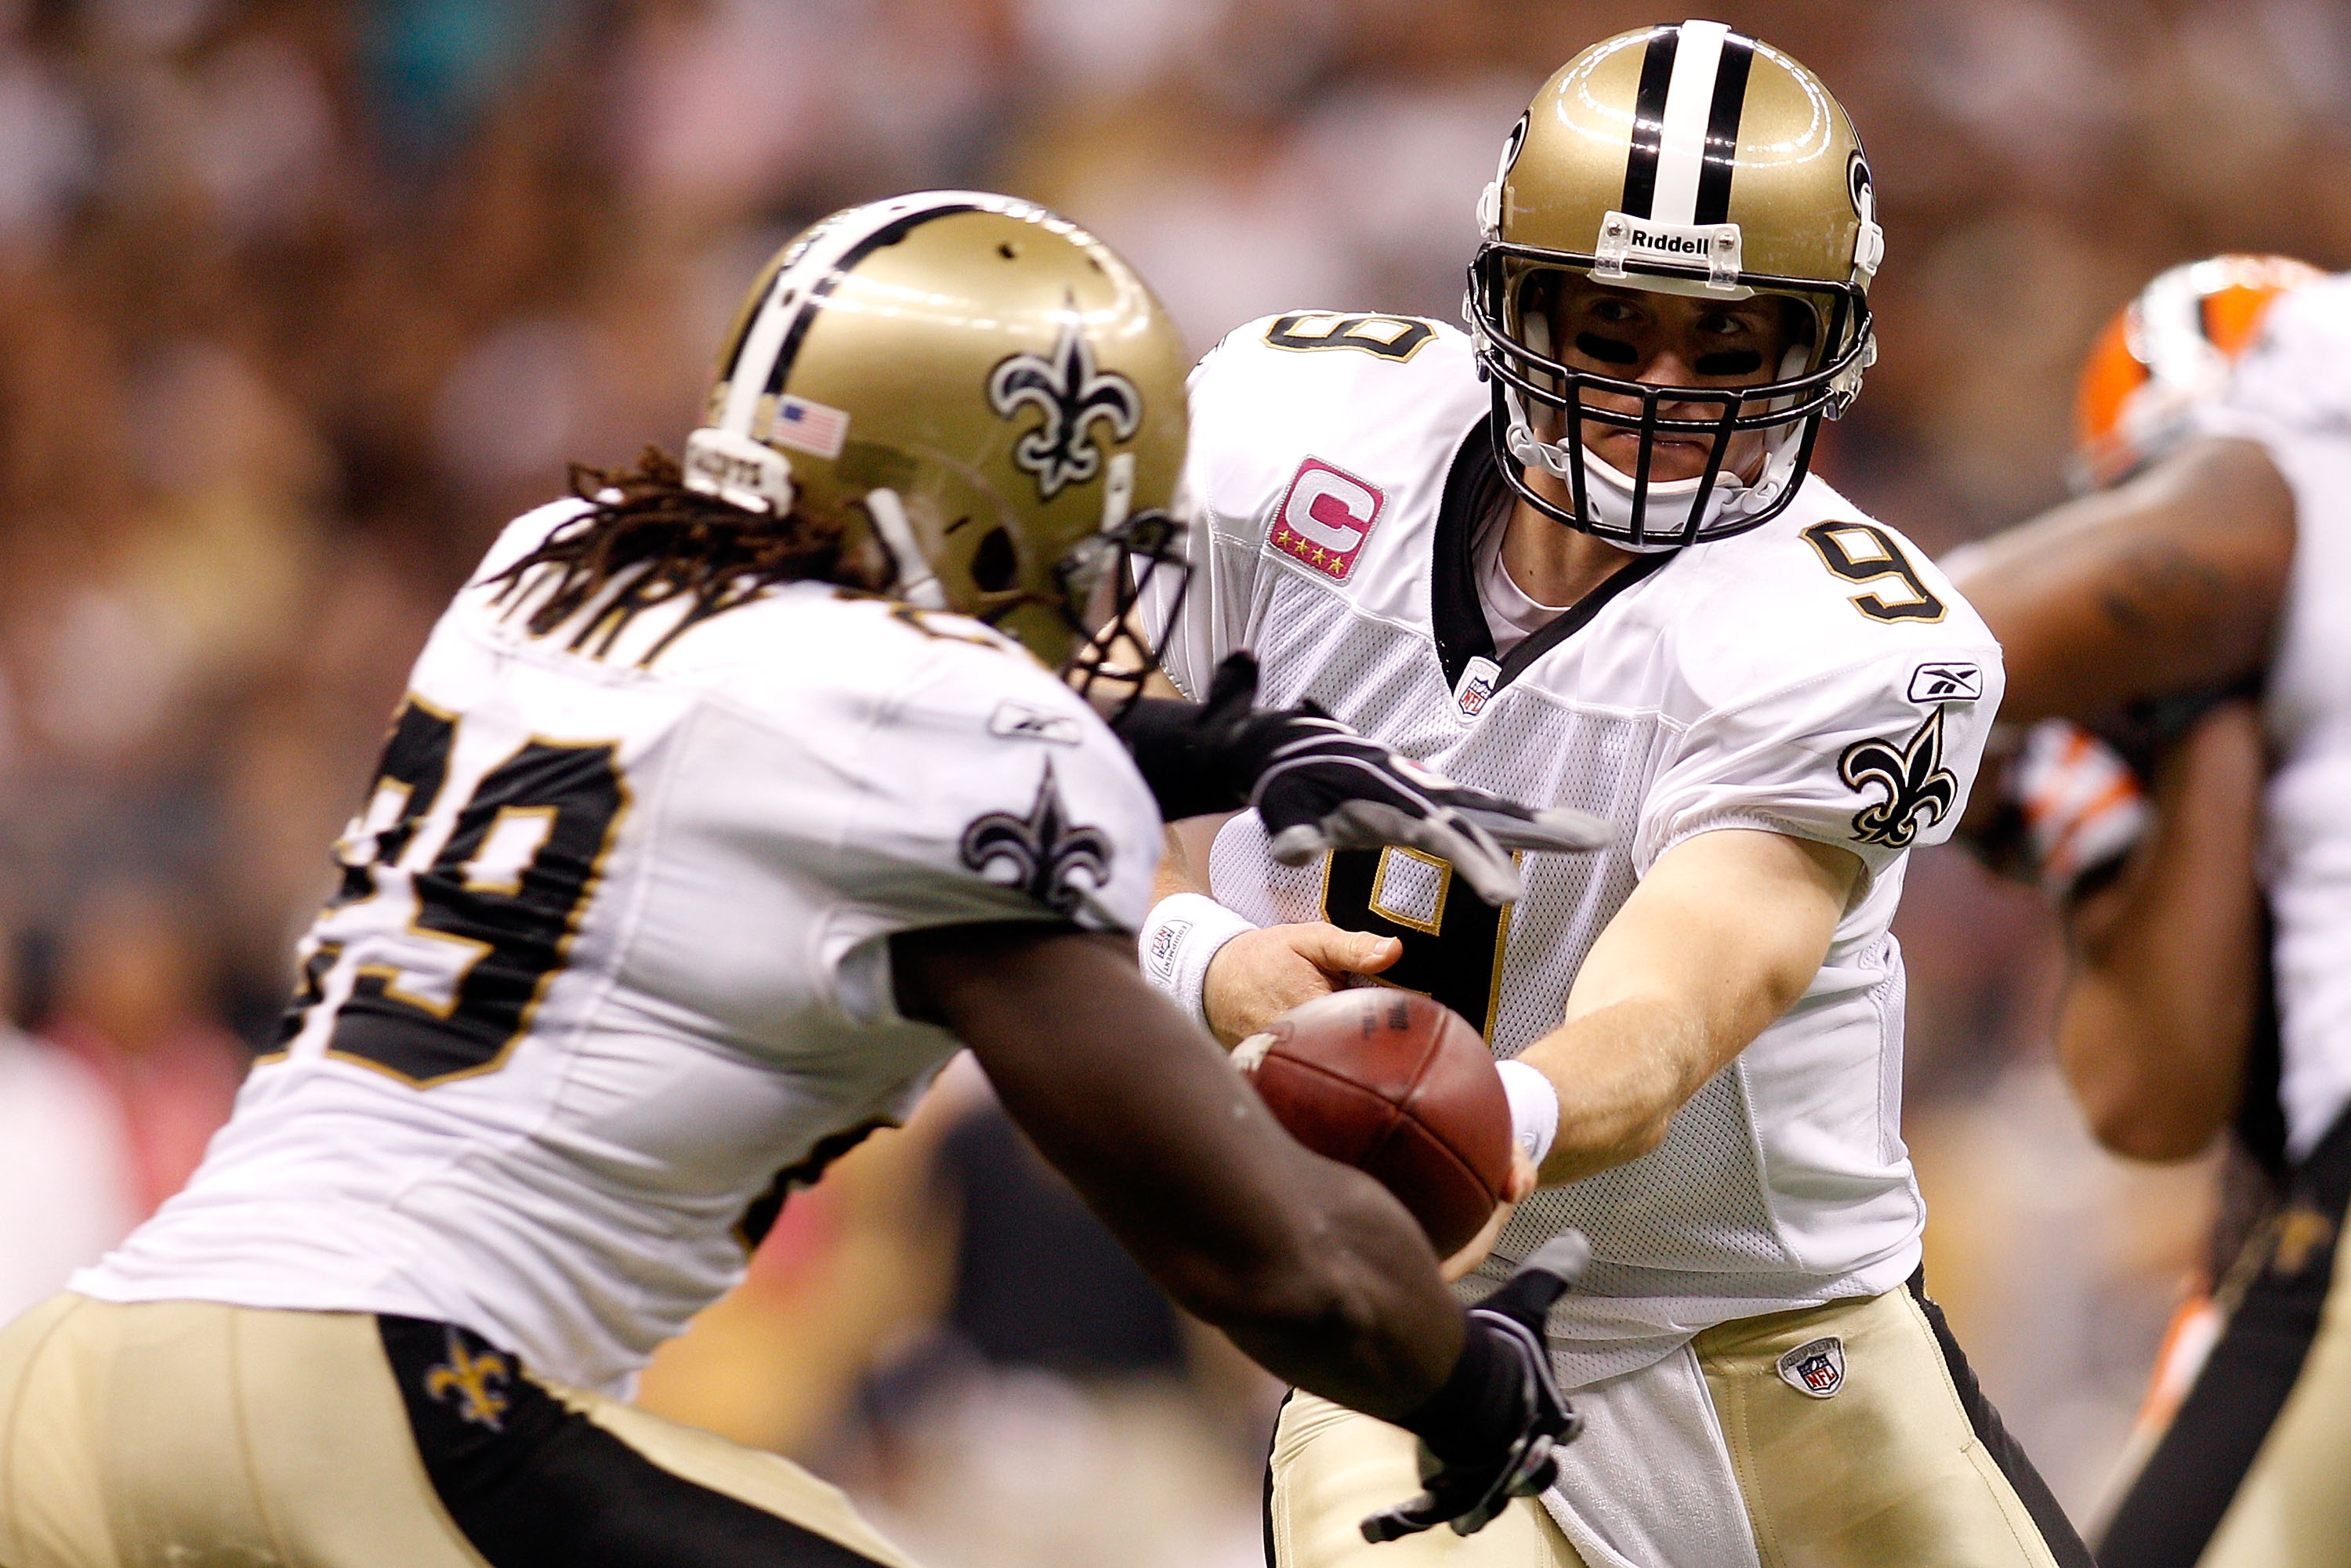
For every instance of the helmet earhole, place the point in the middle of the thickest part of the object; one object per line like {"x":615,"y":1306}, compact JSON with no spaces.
{"x":994,"y":566}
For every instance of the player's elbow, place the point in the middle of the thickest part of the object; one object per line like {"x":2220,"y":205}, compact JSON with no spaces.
{"x":2150,"y":1127}
{"x":2145,"y":1094}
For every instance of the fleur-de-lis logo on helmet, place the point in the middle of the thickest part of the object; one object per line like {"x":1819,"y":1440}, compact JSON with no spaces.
{"x":1915,"y":780}
{"x":1043,"y":852}
{"x":1071,"y":394}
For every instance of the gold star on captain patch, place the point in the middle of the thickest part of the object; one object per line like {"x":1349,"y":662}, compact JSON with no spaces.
{"x":1319,"y":557}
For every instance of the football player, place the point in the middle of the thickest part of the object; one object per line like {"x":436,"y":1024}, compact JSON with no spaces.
{"x":728,"y":800}
{"x":2207,"y":985}
{"x":1578,"y":555}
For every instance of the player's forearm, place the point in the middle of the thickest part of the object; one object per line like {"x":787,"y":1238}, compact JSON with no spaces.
{"x":1310,"y":1266}
{"x":2163,"y":988}
{"x":1723,"y":935}
{"x":1175,"y":874}
{"x":1621,"y":1072}
{"x":2168,"y":585}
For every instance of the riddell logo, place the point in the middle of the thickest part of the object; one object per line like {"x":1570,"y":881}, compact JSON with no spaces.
{"x":1671,"y":244}
{"x":1326,"y":517}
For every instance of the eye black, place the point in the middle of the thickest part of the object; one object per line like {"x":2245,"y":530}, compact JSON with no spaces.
{"x":993,"y":564}
{"x":1730,"y":363}
{"x":1607,"y":351}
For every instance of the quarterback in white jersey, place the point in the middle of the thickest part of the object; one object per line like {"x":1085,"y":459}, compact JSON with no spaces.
{"x":727,"y":802}
{"x":2198,"y":610}
{"x":1578,"y":557}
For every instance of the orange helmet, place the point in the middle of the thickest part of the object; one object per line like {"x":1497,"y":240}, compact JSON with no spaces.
{"x":2166,"y":351}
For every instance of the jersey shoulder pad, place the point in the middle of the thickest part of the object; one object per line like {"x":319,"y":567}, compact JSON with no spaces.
{"x":526,"y":533}
{"x":808,"y":637}
{"x":984,"y":767}
{"x":1823,"y":588}
{"x":2296,"y":372}
{"x":1382,"y":399}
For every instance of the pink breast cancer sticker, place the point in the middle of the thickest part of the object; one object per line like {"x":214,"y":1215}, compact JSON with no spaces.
{"x":1326,"y":517}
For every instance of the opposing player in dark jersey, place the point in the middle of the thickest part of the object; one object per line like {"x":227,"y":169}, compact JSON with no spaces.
{"x":727,"y":804}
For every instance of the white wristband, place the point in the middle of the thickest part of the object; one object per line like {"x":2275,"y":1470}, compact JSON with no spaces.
{"x":1179,"y":937}
{"x":1534,"y":1108}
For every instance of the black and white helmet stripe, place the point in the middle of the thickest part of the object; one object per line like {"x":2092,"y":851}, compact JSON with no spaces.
{"x":729,"y":457}
{"x":762,"y":357}
{"x":1685,"y":142}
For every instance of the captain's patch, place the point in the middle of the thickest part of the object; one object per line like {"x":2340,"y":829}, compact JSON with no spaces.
{"x":1326,"y":517}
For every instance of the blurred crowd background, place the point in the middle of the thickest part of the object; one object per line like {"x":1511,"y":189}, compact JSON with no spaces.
{"x":300,"y":300}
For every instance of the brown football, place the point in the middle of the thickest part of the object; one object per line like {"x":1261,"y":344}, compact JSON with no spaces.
{"x":1401,"y":1088}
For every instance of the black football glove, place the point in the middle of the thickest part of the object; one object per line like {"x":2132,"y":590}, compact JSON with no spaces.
{"x":1488,"y":1435}
{"x":1320,"y":786}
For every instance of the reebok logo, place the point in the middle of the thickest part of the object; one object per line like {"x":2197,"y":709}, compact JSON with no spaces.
{"x":1019,"y":721}
{"x":1947,"y":682}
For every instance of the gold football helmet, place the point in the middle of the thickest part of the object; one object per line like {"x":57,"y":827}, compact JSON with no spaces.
{"x":2167,"y":350}
{"x":976,"y":386}
{"x":1684,"y":158}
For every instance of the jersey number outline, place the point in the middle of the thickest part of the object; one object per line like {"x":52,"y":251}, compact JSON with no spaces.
{"x":506,"y":888}
{"x":1864,"y":552}
{"x":1454,"y":956}
{"x":1396,"y":338}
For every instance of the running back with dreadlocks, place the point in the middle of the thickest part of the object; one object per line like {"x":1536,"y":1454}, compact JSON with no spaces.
{"x":657,"y":541}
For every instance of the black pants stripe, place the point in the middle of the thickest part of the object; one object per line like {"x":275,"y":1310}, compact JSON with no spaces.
{"x":535,"y":1484}
{"x":2173,"y":1508}
{"x":2064,"y":1541}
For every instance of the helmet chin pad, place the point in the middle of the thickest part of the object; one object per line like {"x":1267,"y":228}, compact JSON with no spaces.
{"x":1658,"y":516}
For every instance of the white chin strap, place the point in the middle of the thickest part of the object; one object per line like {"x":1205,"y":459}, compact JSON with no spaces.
{"x":1608,"y":490}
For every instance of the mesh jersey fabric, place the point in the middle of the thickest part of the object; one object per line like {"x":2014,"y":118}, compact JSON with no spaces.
{"x":786,"y":786}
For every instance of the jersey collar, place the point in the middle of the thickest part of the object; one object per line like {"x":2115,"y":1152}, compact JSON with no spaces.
{"x":1474,"y":488}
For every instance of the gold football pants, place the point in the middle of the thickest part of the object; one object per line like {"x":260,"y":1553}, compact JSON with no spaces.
{"x":190,"y":1434}
{"x":2255,"y":1470}
{"x":1897,"y":1468}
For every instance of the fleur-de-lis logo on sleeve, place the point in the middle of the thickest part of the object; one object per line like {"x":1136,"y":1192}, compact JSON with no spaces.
{"x":1044,"y":854}
{"x":1914,"y":778}
{"x":475,"y":1383}
{"x":1072,"y":396}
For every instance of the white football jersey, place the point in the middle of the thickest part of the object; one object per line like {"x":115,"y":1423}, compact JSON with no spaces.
{"x":611,"y":952}
{"x":2291,"y":392}
{"x":1816,"y":676}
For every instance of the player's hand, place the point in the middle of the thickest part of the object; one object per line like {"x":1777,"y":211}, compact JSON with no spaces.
{"x":1260,"y":975}
{"x":1465,"y":1262}
{"x":1471,"y":1478}
{"x":1320,"y":786}
{"x":2069,"y":810}
{"x":1323,"y":786}
{"x":1522,"y":1181}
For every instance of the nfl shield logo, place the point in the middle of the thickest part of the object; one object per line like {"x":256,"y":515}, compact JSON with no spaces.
{"x":1477,"y":687}
{"x":1816,"y":1368}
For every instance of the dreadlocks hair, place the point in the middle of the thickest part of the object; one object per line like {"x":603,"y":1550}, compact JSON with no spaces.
{"x":660,"y":541}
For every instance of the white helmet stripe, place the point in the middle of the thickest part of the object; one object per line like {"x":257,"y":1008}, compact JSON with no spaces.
{"x":799,"y":290}
{"x":1689,"y":105}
